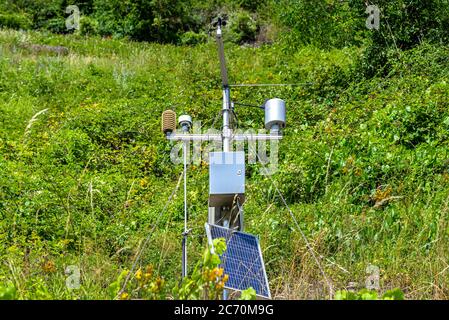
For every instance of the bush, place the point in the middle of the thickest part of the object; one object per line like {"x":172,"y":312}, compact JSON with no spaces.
{"x":70,"y":147}
{"x":403,"y":25}
{"x":242,"y":27}
{"x":165,"y":21}
{"x":88,"y":26}
{"x":56,"y":25}
{"x":141,"y":20}
{"x":8,"y":293}
{"x":193,"y":38}
{"x":251,"y":5}
{"x":15,"y":21}
{"x":324,"y":24}
{"x":47,"y":14}
{"x":395,"y":294}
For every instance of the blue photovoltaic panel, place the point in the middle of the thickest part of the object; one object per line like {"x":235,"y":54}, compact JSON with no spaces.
{"x":242,"y":260}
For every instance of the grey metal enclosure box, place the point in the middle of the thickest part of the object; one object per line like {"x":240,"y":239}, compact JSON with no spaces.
{"x":226,"y":178}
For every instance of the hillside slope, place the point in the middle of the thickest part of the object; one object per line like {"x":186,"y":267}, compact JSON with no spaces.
{"x":85,"y":171}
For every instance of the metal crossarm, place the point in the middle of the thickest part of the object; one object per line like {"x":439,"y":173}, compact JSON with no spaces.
{"x":219,"y":137}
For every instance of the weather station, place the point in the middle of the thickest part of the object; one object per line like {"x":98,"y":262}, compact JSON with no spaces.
{"x":242,"y":260}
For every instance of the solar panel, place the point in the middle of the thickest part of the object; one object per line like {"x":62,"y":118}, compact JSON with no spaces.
{"x":242,"y":260}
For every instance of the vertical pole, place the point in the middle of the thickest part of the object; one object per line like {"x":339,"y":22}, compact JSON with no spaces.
{"x":226,"y":93}
{"x":184,"y":239}
{"x":226,"y":120}
{"x":227,"y":108}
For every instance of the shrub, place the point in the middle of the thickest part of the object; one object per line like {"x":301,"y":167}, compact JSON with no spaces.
{"x":242,"y":27}
{"x":324,"y":24}
{"x":251,"y":5}
{"x":88,"y":26}
{"x":192,"y":38}
{"x":403,"y":25}
{"x":71,"y":147}
{"x":15,"y":21}
{"x":141,"y":20}
{"x":206,"y":281}
{"x":8,"y":293}
{"x":395,"y":294}
{"x":47,"y":14}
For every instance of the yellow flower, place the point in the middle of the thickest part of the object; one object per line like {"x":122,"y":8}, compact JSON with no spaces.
{"x":124,"y":296}
{"x":212,"y":275}
{"x":139,"y":275}
{"x":225,"y":278}
{"x":143,"y":182}
{"x":149,"y":270}
{"x":220,"y":285}
{"x":157,"y":285}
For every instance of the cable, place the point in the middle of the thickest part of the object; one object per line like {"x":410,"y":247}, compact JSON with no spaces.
{"x":309,"y":247}
{"x":249,"y":105}
{"x":237,"y":215}
{"x":147,"y":239}
{"x":235,"y":117}
{"x":216,"y":117}
{"x":270,"y":84}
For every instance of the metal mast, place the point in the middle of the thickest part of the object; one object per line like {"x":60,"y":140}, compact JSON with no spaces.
{"x":185,"y":233}
{"x":227,"y":106}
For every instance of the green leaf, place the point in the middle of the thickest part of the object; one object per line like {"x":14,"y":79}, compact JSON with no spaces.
{"x":394,"y":294}
{"x":366,"y":294}
{"x":8,"y":293}
{"x":345,"y":295}
{"x":215,"y":260}
{"x":248,"y":294}
{"x":220,"y":245}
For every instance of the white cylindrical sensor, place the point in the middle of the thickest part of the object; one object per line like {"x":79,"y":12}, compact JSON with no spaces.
{"x":186,"y":122}
{"x":274,"y":114}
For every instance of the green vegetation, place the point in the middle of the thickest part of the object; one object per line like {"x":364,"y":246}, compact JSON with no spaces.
{"x":365,"y":294}
{"x":165,"y":21}
{"x":85,"y":171}
{"x":206,"y":281}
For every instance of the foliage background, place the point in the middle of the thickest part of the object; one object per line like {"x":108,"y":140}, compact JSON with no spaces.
{"x":84,"y":171}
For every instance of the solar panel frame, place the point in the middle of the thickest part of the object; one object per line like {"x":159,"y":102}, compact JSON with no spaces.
{"x":251,"y":243}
